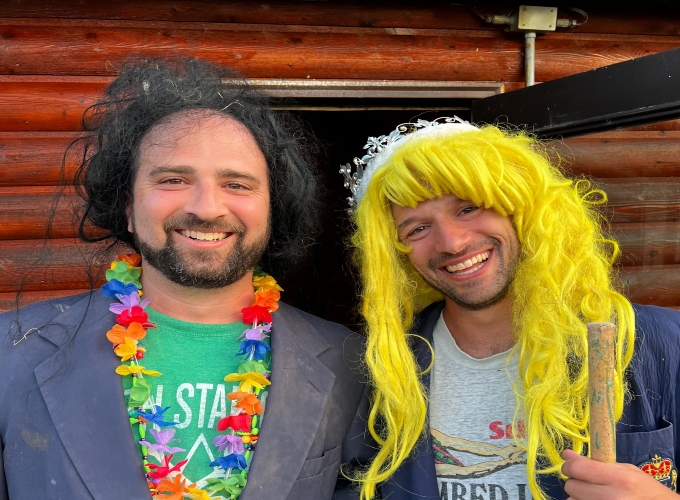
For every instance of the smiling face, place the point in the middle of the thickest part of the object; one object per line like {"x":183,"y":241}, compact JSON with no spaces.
{"x":466,"y":252}
{"x":200,"y":207}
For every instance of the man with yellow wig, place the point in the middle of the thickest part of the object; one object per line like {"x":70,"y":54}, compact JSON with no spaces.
{"x":481,"y":265}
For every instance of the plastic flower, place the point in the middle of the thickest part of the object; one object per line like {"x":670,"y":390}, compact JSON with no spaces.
{"x":133,"y":369}
{"x":252,"y":366}
{"x":230,"y":487}
{"x":128,"y":349}
{"x":162,"y":471}
{"x":132,"y":259}
{"x":240,"y":422}
{"x":114,"y":288}
{"x":265,"y":283}
{"x":257,"y":348}
{"x":134,"y":315}
{"x":119,"y":333}
{"x":229,"y":442}
{"x":231,"y":461}
{"x":155,"y":417}
{"x":121,"y":271}
{"x":198,"y":494}
{"x":268,"y":299}
{"x":248,"y":380}
{"x":257,"y":333}
{"x":247,"y":401}
{"x":128,"y":302}
{"x":163,"y":439}
{"x":176,"y":487}
{"x":256,"y":313}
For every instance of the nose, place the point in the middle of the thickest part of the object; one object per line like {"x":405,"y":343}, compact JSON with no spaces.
{"x":207,"y":202}
{"x":452,"y":236}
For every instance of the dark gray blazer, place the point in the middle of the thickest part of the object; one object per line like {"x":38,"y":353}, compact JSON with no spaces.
{"x":64,"y":429}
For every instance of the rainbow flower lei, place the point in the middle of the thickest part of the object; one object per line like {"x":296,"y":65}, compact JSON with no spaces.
{"x":241,"y":429}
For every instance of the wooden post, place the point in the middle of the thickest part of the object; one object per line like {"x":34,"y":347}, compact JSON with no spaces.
{"x":601,"y":363}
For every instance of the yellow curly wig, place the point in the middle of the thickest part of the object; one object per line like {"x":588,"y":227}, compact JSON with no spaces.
{"x":564,"y":280}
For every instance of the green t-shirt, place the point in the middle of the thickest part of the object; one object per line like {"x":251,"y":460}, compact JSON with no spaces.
{"x":193,"y":358}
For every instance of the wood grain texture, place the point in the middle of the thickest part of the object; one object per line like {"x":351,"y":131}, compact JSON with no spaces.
{"x":58,"y":264}
{"x":427,"y":15}
{"x":90,"y":47}
{"x":623,"y":154}
{"x":649,"y":243}
{"x":34,"y":158}
{"x":643,"y":199}
{"x":45,"y":105}
{"x":658,"y":285}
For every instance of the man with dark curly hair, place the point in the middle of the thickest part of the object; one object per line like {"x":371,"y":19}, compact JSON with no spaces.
{"x":183,"y":375}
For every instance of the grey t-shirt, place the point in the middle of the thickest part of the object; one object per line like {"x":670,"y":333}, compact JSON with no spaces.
{"x":472,"y":405}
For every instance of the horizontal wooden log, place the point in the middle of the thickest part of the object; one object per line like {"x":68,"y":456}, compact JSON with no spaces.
{"x":667,"y":125}
{"x":642,"y":199}
{"x":10,"y":301}
{"x":48,"y":105}
{"x":88,"y":47}
{"x":658,"y":285}
{"x":649,"y":243}
{"x":26,"y":213}
{"x":60,"y":264}
{"x":428,"y":15}
{"x":34,"y":158}
{"x":623,"y":154}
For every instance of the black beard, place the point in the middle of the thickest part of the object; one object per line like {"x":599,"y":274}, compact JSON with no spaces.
{"x":170,"y":262}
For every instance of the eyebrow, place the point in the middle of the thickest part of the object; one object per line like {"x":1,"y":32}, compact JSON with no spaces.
{"x":405,"y":223}
{"x":225,"y":173}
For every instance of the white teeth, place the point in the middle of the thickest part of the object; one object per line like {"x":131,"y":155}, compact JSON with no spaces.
{"x":468,"y":263}
{"x":197,"y":235}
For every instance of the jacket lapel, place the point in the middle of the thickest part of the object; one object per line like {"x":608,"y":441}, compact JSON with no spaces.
{"x":301,"y":385}
{"x":84,"y":397}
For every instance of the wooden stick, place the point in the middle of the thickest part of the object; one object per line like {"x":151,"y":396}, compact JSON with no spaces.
{"x":601,"y":363}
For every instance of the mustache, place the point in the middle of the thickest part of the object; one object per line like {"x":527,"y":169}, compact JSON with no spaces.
{"x":194,"y":223}
{"x":442,"y":258}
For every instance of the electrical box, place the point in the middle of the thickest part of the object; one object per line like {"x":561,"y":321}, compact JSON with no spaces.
{"x":532,"y":18}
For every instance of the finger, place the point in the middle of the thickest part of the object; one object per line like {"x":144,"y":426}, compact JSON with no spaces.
{"x":584,"y":469}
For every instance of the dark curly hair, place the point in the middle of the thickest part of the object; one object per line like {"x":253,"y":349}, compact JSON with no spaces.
{"x":148,"y":91}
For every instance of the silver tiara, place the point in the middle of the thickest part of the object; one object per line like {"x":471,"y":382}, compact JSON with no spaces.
{"x":381,"y":148}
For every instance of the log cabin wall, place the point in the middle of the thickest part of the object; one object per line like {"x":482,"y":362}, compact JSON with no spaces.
{"x":57,"y":55}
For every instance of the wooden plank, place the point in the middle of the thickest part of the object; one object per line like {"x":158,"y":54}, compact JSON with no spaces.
{"x":75,"y":47}
{"x":623,"y":154}
{"x":427,"y":14}
{"x":644,"y":199}
{"x":26,"y":104}
{"x":60,"y":264}
{"x":25,"y":213}
{"x":34,"y":158}
{"x":65,"y":47}
{"x":11,"y":300}
{"x":665,"y":126}
{"x":659,"y":285}
{"x":648,"y":243}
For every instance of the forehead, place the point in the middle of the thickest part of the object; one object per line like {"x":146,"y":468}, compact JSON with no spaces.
{"x":195,"y":134}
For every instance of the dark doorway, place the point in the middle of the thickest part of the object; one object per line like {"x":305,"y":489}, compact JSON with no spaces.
{"x":326,"y":285}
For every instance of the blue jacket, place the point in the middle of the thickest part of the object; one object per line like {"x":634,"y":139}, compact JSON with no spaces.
{"x":648,"y":427}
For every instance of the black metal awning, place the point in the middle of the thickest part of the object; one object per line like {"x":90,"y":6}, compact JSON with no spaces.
{"x":630,"y":93}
